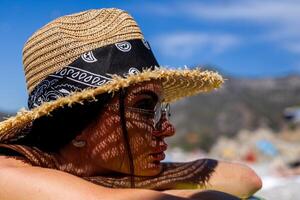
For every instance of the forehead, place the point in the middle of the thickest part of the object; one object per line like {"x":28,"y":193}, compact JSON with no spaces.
{"x":154,"y":86}
{"x":136,"y":90}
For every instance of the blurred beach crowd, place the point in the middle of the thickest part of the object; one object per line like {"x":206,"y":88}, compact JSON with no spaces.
{"x":271,"y":154}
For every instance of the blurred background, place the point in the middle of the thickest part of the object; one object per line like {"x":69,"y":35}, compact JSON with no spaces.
{"x":254,"y":44}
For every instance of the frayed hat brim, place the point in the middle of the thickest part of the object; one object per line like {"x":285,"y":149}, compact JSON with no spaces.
{"x":177,"y":83}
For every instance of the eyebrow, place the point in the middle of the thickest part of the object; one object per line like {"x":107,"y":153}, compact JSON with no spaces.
{"x":147,"y":92}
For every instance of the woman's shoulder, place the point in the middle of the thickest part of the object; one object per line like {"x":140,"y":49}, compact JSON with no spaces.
{"x":7,"y":161}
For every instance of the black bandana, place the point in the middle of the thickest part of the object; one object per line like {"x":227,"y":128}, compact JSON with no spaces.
{"x":93,"y":69}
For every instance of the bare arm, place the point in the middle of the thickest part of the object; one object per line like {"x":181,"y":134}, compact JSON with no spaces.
{"x":40,"y":183}
{"x":20,"y":181}
{"x":234,"y":178}
{"x":201,"y":175}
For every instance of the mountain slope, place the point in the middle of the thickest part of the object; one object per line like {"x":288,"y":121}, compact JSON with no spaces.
{"x":240,"y":104}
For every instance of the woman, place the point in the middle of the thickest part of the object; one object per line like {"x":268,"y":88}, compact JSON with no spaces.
{"x":99,"y":114}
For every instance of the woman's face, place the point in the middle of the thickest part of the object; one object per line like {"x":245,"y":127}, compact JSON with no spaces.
{"x":106,"y":144}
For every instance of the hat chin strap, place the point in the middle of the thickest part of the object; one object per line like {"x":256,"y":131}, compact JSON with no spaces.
{"x":122,"y":93}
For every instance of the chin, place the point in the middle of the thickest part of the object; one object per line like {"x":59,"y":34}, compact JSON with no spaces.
{"x":154,"y":170}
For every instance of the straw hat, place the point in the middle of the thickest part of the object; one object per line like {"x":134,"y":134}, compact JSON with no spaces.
{"x":76,"y":57}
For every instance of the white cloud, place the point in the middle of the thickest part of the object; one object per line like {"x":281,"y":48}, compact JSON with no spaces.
{"x":280,"y":17}
{"x":293,"y":47}
{"x":254,"y":10}
{"x":188,"y":44}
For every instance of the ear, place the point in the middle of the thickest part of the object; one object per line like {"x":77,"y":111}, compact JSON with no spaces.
{"x":80,"y":140}
{"x":79,"y":143}
{"x":81,"y":137}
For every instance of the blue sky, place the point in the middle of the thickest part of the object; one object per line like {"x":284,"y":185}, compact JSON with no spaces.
{"x":249,"y":38}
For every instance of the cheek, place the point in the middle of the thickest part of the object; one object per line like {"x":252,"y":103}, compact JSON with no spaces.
{"x":106,"y":142}
{"x":140,"y":145}
{"x":139,"y":122}
{"x":109,"y":147}
{"x":140,"y":133}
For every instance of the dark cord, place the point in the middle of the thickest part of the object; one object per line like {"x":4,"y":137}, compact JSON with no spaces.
{"x":125,"y":134}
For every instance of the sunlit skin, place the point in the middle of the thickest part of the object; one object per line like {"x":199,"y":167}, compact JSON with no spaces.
{"x":102,"y":158}
{"x":105,"y":152}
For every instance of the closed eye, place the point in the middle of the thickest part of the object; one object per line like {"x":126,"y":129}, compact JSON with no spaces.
{"x":145,"y":104}
{"x":147,"y":100}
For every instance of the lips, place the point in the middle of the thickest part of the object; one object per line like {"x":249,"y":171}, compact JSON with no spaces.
{"x":158,"y":152}
{"x":161,"y":146}
{"x":158,"y":156}
{"x":160,"y":149}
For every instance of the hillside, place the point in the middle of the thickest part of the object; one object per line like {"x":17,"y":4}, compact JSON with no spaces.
{"x":240,"y":104}
{"x":3,"y":115}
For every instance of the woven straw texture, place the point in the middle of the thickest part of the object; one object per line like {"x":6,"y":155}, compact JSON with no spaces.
{"x":62,"y":41}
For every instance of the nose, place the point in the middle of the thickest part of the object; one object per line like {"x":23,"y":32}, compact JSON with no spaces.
{"x":165,"y":129}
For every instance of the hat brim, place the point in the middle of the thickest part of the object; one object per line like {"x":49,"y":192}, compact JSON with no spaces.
{"x":177,"y":83}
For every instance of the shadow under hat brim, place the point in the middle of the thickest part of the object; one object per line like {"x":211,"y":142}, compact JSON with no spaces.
{"x":177,"y":83}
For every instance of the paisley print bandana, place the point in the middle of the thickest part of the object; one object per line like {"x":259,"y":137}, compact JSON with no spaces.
{"x":93,"y":69}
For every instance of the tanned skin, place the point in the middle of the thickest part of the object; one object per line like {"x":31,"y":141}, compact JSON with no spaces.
{"x":103,"y":160}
